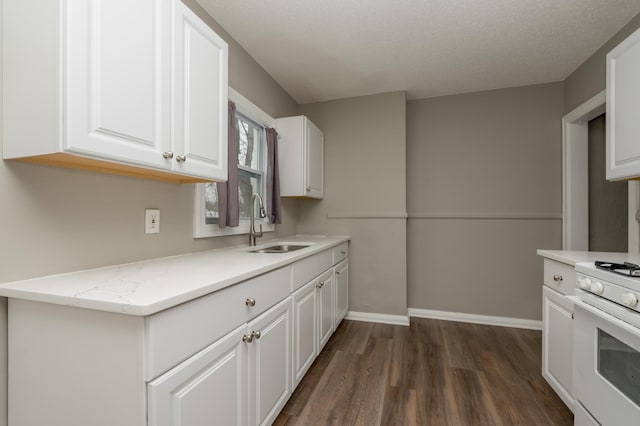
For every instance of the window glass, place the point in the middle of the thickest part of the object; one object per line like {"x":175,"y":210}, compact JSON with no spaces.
{"x":251,"y":146}
{"x":248,"y":184}
{"x":249,"y":142}
{"x":211,"y":203}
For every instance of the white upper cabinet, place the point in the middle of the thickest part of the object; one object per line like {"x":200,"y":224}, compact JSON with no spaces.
{"x":300,"y":157}
{"x":623,"y":104}
{"x":115,"y":80}
{"x":200,"y":97}
{"x":134,"y":88}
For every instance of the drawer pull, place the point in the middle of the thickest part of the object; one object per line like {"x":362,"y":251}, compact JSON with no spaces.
{"x":256,"y":334}
{"x":343,"y":252}
{"x":247,"y":338}
{"x":557,"y":278}
{"x":250,"y":302}
{"x":337,"y":272}
{"x":320,"y":284}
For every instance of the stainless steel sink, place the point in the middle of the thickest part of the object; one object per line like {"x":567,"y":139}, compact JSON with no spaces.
{"x":280,"y":248}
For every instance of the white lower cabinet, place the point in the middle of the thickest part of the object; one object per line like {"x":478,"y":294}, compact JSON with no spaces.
{"x":325,"y":308}
{"x":557,"y":343}
{"x":305,"y":340}
{"x":242,"y":379}
{"x":231,"y":357}
{"x":210,"y":387}
{"x":269,"y":364}
{"x":341,"y":291}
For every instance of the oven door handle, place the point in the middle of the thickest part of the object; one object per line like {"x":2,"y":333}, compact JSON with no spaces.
{"x":605,"y":316}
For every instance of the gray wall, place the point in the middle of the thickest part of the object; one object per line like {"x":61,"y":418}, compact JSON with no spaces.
{"x":365,"y":195}
{"x":57,"y":220}
{"x":590,"y":78}
{"x":484,"y":192}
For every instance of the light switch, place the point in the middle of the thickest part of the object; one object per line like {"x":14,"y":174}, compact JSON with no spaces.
{"x":152,"y":221}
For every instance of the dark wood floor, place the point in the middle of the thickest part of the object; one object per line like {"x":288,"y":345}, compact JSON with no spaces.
{"x":431,"y":373}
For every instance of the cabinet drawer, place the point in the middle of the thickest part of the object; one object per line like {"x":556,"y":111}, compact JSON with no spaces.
{"x":340,"y":252}
{"x":306,"y":269}
{"x":177,"y":333}
{"x":559,"y":276}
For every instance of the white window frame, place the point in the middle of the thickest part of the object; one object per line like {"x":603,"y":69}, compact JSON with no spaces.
{"x":200,"y":228}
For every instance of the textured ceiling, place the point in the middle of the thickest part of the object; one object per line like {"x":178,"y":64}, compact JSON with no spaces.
{"x":327,"y":49}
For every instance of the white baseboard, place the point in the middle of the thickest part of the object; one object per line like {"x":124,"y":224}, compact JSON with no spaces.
{"x":476,"y":319}
{"x":381,"y":318}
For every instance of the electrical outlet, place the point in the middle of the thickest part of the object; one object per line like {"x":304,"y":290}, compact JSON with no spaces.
{"x":152,"y":221}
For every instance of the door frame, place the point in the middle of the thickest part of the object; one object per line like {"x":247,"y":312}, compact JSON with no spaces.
{"x":575,"y":179}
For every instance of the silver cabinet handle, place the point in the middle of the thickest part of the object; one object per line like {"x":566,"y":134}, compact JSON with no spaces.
{"x":181,"y":158}
{"x":256,"y":334}
{"x":308,"y":188}
{"x":320,"y":284}
{"x":343,"y":252}
{"x":337,"y":272}
{"x":247,"y":338}
{"x":557,"y":278}
{"x":250,"y":302}
{"x":167,"y":155}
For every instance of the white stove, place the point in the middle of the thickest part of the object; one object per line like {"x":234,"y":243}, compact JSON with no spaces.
{"x":606,"y":339}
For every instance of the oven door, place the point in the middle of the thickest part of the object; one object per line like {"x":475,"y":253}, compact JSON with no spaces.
{"x":606,"y":376}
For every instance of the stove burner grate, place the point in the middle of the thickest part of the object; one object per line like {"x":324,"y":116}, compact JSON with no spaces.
{"x":627,"y":269}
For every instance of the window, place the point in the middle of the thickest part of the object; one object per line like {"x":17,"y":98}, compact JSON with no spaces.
{"x":251,"y":123}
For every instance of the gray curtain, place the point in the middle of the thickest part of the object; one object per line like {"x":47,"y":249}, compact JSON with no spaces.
{"x":273,"y":178}
{"x":228,"y":203}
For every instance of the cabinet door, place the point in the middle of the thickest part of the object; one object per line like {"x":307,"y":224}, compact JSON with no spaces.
{"x":200,"y":96}
{"x":325,"y":286}
{"x":314,"y":148}
{"x":557,"y":343}
{"x":116,"y":78}
{"x":305,"y":340}
{"x":209,"y":388}
{"x":341,"y":304}
{"x":623,"y":103}
{"x":269,"y":363}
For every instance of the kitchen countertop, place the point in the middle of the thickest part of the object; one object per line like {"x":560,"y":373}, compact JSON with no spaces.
{"x":147,"y":287}
{"x":572,"y":257}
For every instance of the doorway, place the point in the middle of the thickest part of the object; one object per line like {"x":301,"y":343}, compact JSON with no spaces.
{"x":575,"y":181}
{"x":608,"y":201}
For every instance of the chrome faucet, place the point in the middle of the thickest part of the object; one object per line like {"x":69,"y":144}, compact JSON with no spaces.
{"x":252,"y":230}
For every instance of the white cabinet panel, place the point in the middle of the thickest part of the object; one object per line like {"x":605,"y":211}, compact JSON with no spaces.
{"x":557,"y":343}
{"x":305,"y":341}
{"x":341,"y":304}
{"x":209,"y":388}
{"x":270,"y":363}
{"x":325,"y":307}
{"x":200,"y":75}
{"x":300,"y":157}
{"x":559,"y":276}
{"x":623,"y":103}
{"x":117,"y":75}
{"x":314,"y":176}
